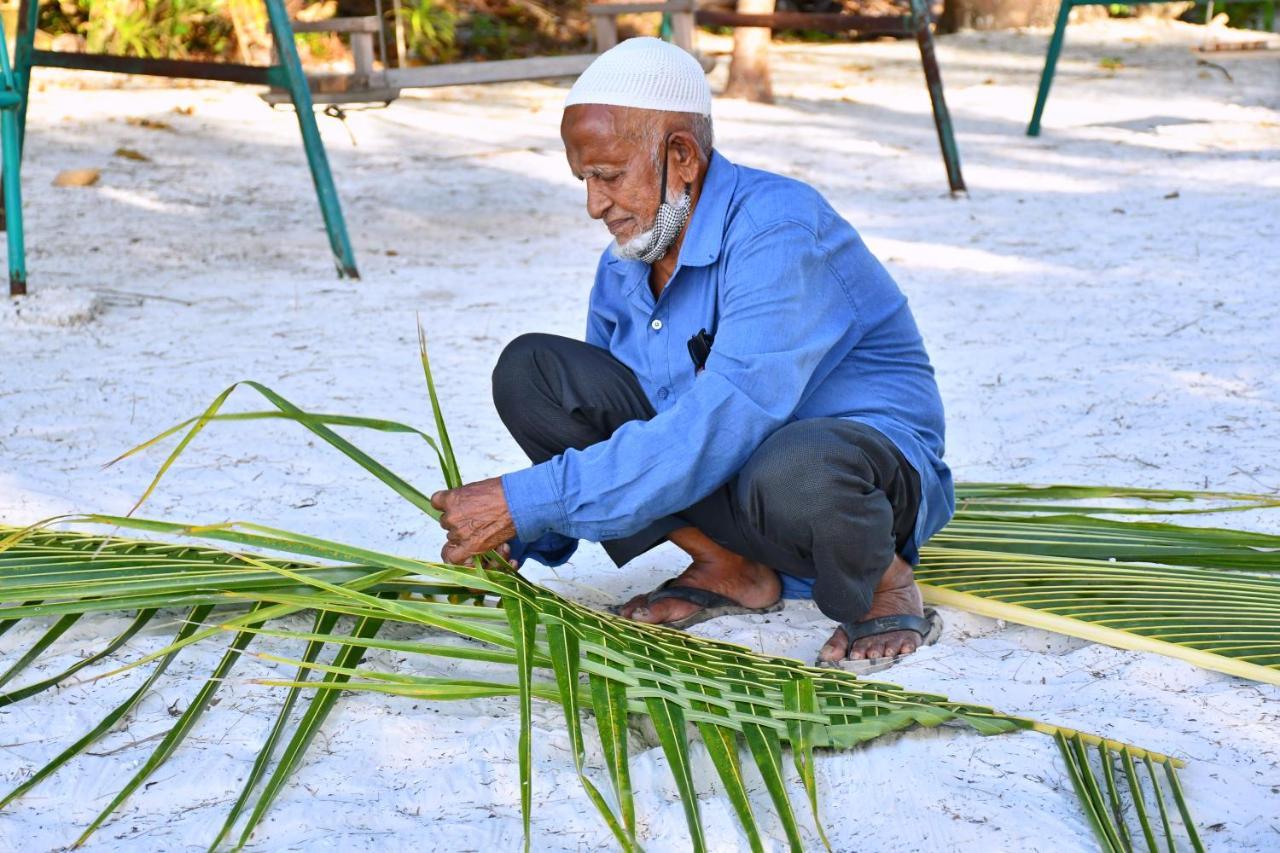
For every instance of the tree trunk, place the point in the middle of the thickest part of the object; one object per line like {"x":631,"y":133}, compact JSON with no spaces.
{"x":749,"y":71}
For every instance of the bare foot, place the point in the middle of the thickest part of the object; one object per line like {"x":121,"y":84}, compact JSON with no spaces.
{"x":896,"y":594}
{"x":714,"y":568}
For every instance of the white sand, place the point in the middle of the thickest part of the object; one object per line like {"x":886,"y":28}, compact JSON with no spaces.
{"x":1102,"y":308}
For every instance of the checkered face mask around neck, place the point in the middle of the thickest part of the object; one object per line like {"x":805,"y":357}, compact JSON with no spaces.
{"x":667,"y":226}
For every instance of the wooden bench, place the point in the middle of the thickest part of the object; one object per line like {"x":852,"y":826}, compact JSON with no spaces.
{"x":365,"y":84}
{"x":604,"y":21}
{"x":604,"y":18}
{"x":368,"y":84}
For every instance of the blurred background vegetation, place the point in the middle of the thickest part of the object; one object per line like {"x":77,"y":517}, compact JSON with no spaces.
{"x":458,"y":30}
{"x":435,"y":30}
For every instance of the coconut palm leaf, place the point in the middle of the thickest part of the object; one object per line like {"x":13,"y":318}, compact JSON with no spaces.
{"x":317,"y":712}
{"x":56,"y":630}
{"x":1106,"y":809}
{"x":139,"y":622}
{"x":733,"y":698}
{"x":566,"y":657}
{"x":1032,"y":555}
{"x":1020,"y":498}
{"x":325,"y":621}
{"x":1036,"y":555}
{"x":1049,"y":521}
{"x":196,"y":614}
{"x":648,"y":670}
{"x":195,"y":709}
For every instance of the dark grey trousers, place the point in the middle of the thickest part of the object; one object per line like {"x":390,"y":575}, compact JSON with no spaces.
{"x":821,"y":498}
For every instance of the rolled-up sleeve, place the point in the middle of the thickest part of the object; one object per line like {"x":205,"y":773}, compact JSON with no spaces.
{"x":786,"y":319}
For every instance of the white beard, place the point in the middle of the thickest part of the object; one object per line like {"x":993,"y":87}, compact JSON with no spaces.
{"x":674,"y":213}
{"x":636,"y":247}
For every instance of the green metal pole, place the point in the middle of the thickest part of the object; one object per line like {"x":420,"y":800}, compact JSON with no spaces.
{"x":933,"y":79}
{"x":293,"y":79}
{"x":24,"y":43}
{"x":13,"y":202}
{"x":1050,"y":63}
{"x":12,"y":157}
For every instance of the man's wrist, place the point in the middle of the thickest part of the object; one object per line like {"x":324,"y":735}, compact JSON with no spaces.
{"x":533,"y":502}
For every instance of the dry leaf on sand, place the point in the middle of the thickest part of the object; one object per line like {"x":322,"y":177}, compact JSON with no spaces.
{"x":77,"y":178}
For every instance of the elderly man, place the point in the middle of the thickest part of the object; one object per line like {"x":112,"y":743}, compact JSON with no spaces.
{"x":752,"y":387}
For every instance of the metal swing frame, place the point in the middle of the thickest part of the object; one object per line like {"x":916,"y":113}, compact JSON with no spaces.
{"x":1059,"y":36}
{"x":286,"y":72}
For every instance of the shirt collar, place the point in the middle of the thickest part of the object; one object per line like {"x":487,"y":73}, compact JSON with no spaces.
{"x":705,"y":234}
{"x":706,"y":228}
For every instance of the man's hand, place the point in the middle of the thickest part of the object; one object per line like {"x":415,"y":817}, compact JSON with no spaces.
{"x":476,"y":518}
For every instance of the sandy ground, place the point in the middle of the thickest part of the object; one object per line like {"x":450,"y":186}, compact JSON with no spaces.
{"x":1100,"y":308}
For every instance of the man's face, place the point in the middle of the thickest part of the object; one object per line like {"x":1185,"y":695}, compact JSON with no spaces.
{"x":609,"y":150}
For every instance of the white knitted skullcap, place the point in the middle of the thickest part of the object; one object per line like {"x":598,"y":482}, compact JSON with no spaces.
{"x":647,"y":73}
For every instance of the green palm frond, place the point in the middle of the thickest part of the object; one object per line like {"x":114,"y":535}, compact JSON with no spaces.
{"x":731,"y":697}
{"x":1033,"y":555}
{"x":742,"y":706}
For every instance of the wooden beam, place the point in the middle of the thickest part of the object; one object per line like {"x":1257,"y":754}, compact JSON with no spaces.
{"x":469,"y":73}
{"x":639,"y":8}
{"x":337,"y":89}
{"x":362,"y":24}
{"x":228,"y":71}
{"x":831,"y":23}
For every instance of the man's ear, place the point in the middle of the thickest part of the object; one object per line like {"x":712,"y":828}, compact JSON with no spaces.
{"x":685,"y":156}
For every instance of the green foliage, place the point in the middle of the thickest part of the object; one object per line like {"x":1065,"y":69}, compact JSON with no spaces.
{"x":431,"y":30}
{"x":435,"y":31}
{"x":152,"y":28}
{"x":489,"y":36}
{"x":447,"y":30}
{"x":1253,"y":15}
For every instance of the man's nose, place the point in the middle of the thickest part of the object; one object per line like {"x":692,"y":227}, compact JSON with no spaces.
{"x":597,"y":201}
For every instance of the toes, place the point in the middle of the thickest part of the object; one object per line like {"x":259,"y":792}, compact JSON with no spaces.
{"x":877,"y":648}
{"x":642,"y":614}
{"x":656,"y":614}
{"x":905,"y":644}
{"x":628,"y":610}
{"x":831,"y":651}
{"x":639,"y":609}
{"x":887,"y":646}
{"x":835,"y":647}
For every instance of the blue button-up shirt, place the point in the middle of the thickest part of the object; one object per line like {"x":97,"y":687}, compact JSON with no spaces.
{"x":807,"y":324}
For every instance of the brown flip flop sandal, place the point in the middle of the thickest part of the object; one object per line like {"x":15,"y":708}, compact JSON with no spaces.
{"x":929,"y":627}
{"x":713,"y":604}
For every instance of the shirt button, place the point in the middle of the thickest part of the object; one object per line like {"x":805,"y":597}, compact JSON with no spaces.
{"x":663,"y":393}
{"x":656,"y":325}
